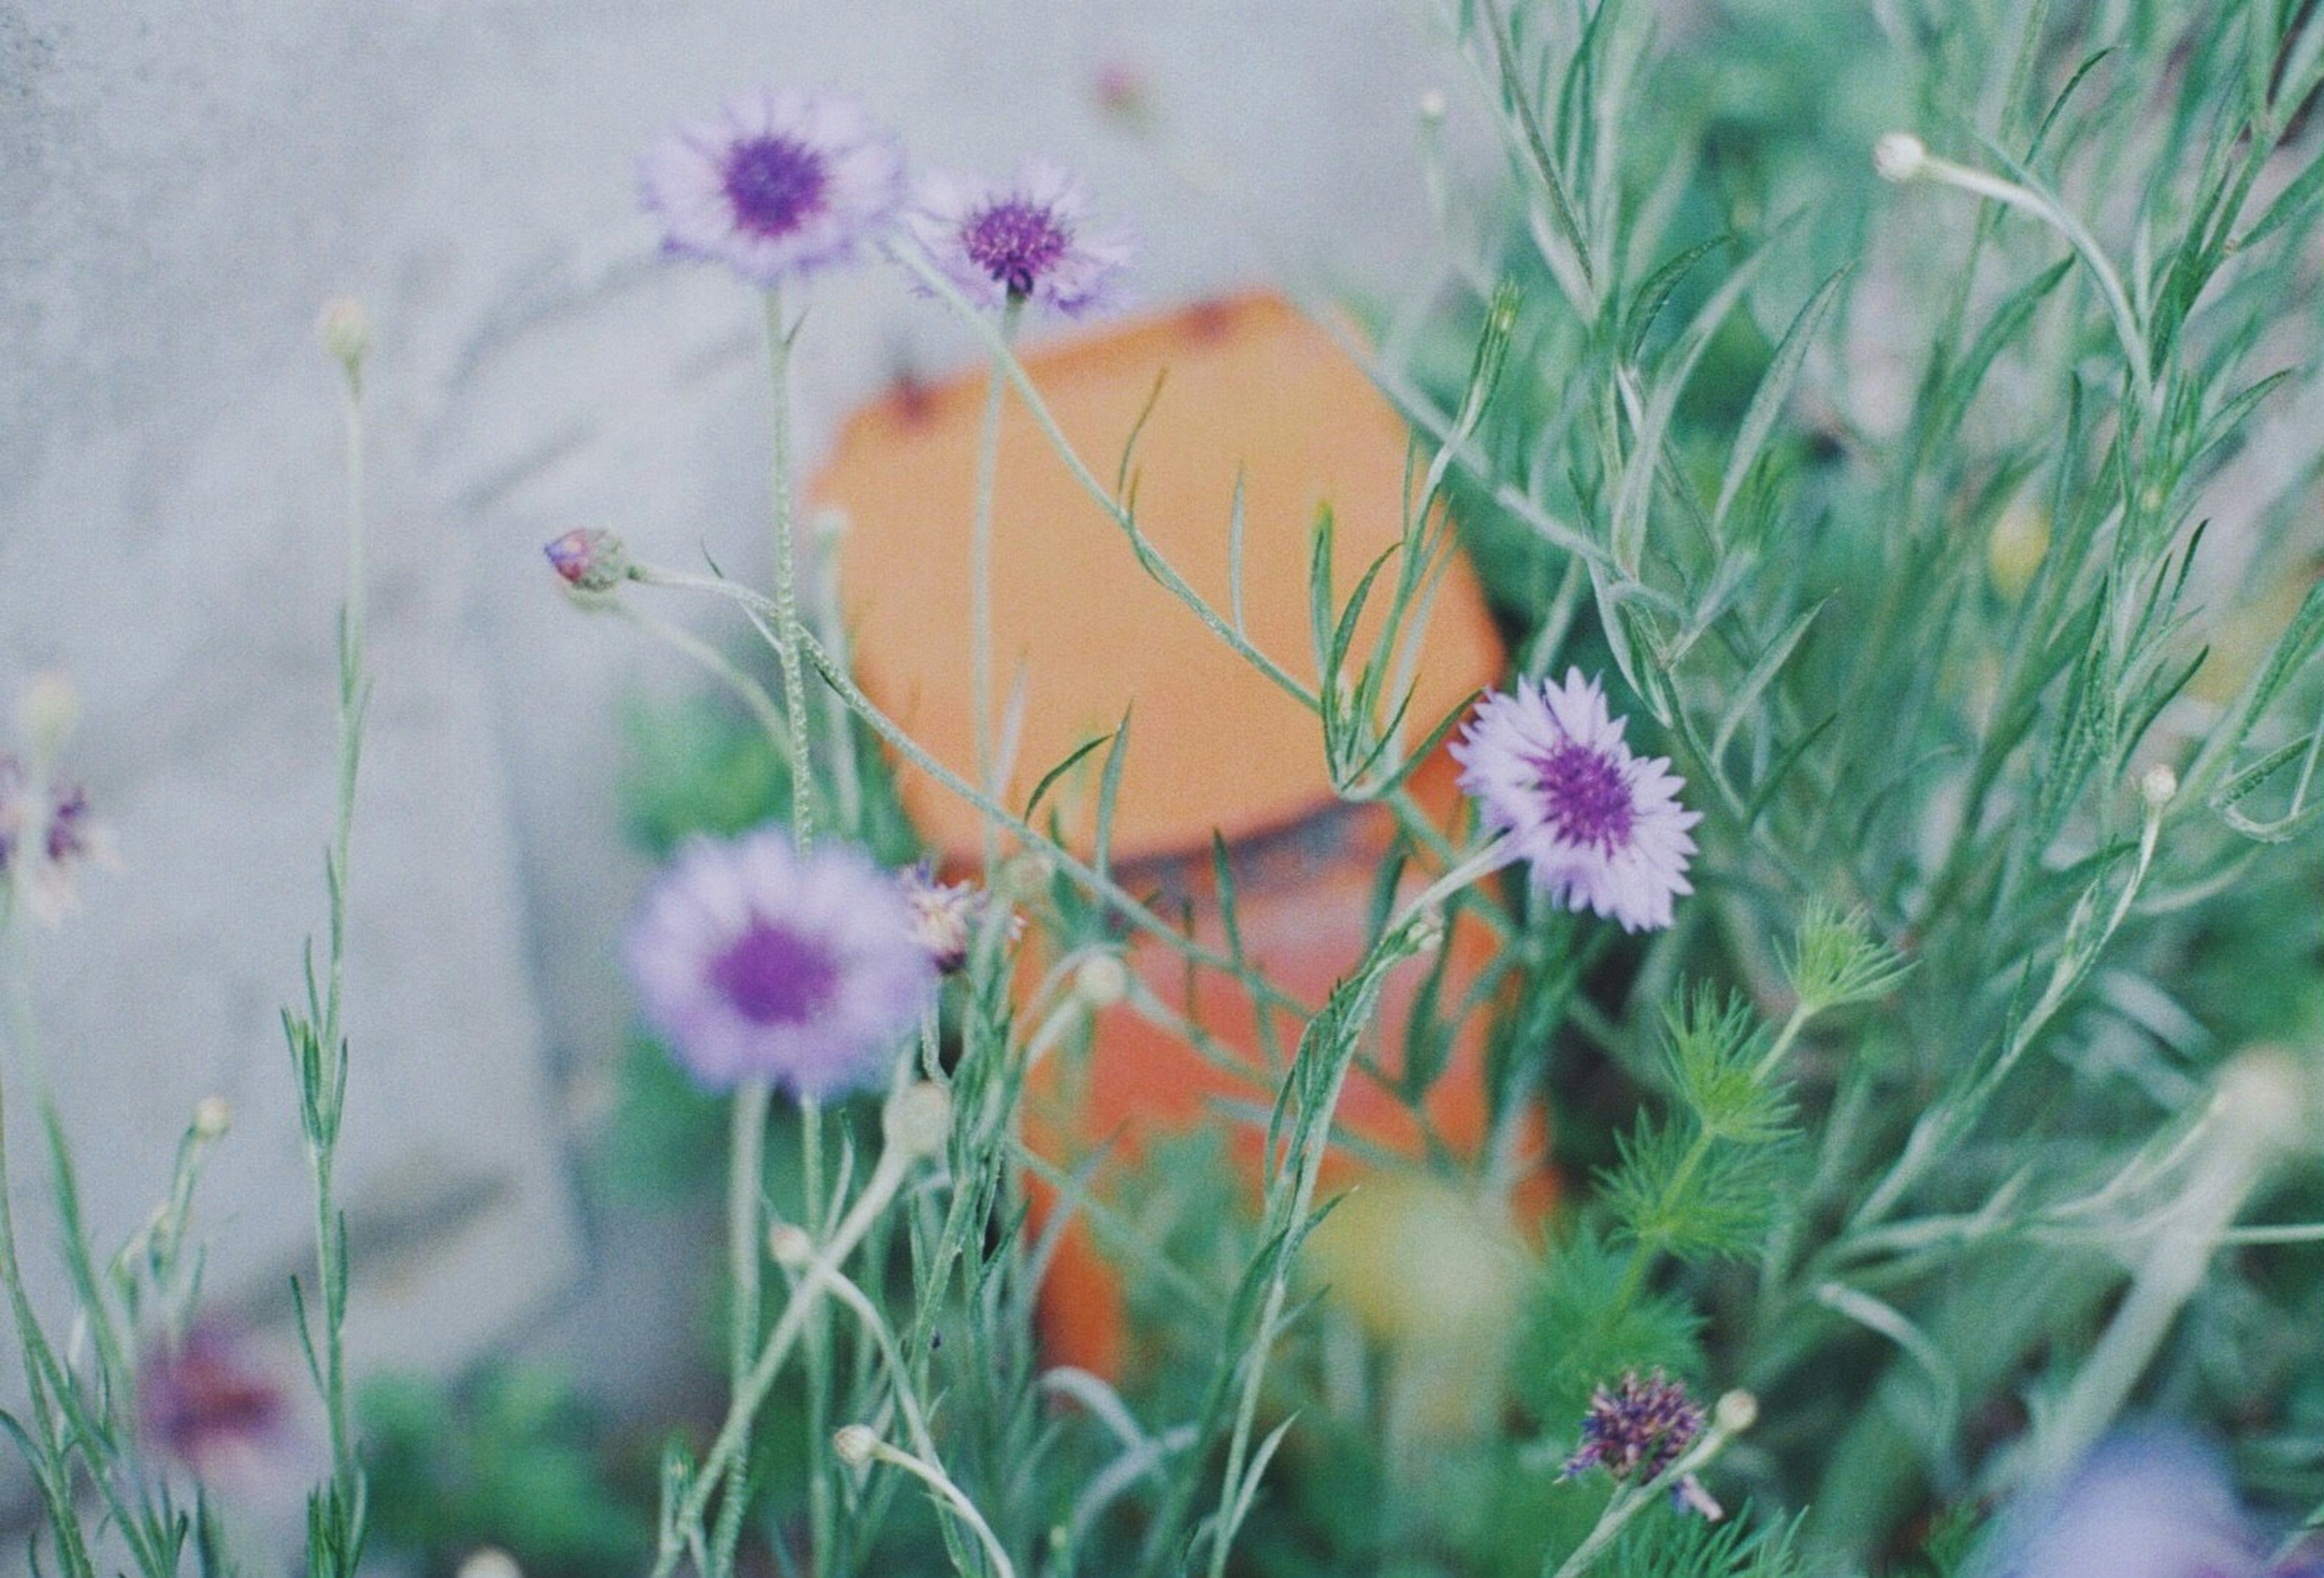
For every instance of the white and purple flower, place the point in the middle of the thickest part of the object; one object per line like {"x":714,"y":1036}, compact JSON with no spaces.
{"x":779,"y":184}
{"x":2147,"y":1503}
{"x":755,"y":963}
{"x":1029,"y":240}
{"x":207,"y":1405}
{"x":46,"y":835}
{"x":1602,"y":828}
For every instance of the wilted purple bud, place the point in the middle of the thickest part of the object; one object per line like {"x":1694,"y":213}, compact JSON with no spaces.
{"x":1637,"y":1430}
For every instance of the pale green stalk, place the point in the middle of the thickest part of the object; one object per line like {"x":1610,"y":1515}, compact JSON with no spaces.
{"x":980,"y":573}
{"x":730,"y":1449}
{"x":323,"y":1065}
{"x":936,"y":1479}
{"x":45,"y":1378}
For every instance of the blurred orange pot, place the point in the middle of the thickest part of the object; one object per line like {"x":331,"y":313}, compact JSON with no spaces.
{"x":1256,"y":396}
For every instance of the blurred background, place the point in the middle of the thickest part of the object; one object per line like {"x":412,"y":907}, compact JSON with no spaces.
{"x":184,"y":186}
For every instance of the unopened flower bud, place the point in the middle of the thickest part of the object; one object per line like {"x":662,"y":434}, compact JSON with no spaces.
{"x":1101,"y":980}
{"x":2014,"y":553}
{"x":2158,"y":787}
{"x":854,"y":1444}
{"x":1025,"y":875}
{"x":344,"y":330}
{"x":1735,"y":1412}
{"x":1899,"y":156}
{"x":2266,"y":1103}
{"x":791,"y":1246}
{"x":212,"y":1118}
{"x":489,"y":1562}
{"x":1124,"y":92}
{"x":1426,"y":932}
{"x":919,"y":1120}
{"x":589,"y":559}
{"x":1433,"y":106}
{"x":48,"y":710}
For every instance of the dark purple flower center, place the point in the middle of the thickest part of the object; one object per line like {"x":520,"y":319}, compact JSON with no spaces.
{"x":775,"y":184}
{"x":1016,"y":242}
{"x":1587,"y":799}
{"x":68,"y":835}
{"x":773,"y":975}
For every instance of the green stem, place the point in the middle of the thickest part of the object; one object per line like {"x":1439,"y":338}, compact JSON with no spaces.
{"x":786,"y":609}
{"x":323,"y":1077}
{"x":729,"y":1450}
{"x":46,"y":1380}
{"x":980,"y":574}
{"x":936,"y":1479}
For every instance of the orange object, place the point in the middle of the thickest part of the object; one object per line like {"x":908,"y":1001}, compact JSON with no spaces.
{"x":1254,"y":397}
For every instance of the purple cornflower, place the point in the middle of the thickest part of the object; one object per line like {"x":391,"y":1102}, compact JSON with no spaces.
{"x":753,"y":962}
{"x":1637,"y":1430}
{"x":778,"y":184}
{"x":1601,"y":827}
{"x":207,"y":1406}
{"x":946,"y":916}
{"x":2151,"y":1503}
{"x":1028,"y":241}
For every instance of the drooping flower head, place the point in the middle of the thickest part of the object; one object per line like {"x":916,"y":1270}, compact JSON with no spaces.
{"x":946,"y":916}
{"x":2146,"y":1503}
{"x":751,"y":963}
{"x":1638,"y":1428}
{"x":1602,"y":828}
{"x":1029,"y":240}
{"x":778,"y":184}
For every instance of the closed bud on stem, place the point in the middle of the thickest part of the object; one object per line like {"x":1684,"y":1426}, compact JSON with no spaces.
{"x":2266,"y":1105}
{"x":790,"y":1245}
{"x":489,"y":1562}
{"x":1735,"y":1412}
{"x":1427,"y":930}
{"x":212,"y":1117}
{"x":2158,"y":787}
{"x":49,"y":709}
{"x":344,"y":330}
{"x":1101,"y":980}
{"x":919,"y":1120}
{"x":1899,"y":156}
{"x":1023,"y":876}
{"x":589,"y":560}
{"x":856,"y":1444}
{"x":1431,"y":106}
